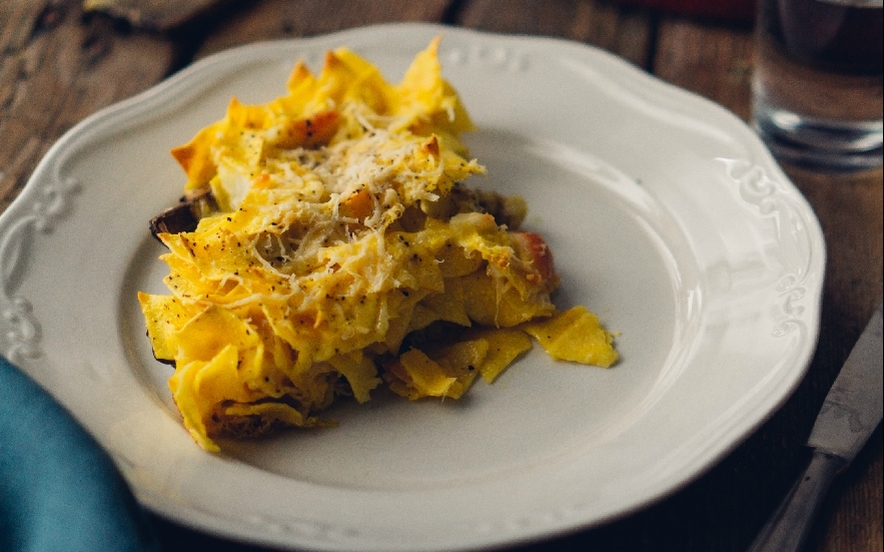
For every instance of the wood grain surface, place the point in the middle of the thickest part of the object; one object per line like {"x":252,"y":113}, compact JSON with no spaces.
{"x":58,"y":64}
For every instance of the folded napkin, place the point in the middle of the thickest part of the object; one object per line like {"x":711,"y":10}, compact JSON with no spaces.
{"x":58,"y":489}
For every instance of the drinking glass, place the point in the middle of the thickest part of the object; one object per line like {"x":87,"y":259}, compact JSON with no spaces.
{"x":817,"y":87}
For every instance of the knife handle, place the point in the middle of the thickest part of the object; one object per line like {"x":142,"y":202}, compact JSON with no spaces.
{"x":788,"y":527}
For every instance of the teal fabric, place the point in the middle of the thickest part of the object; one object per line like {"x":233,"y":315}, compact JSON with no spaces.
{"x":59,"y":491}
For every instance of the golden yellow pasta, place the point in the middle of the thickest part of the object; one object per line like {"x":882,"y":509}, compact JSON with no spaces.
{"x":336,"y":247}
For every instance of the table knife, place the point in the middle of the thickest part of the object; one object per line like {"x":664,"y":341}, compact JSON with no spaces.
{"x":850,"y":413}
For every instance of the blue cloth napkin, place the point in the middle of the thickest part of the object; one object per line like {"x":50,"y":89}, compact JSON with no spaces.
{"x":59,"y":490}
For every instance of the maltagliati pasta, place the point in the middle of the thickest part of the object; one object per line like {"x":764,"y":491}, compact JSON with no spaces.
{"x":334,"y":247}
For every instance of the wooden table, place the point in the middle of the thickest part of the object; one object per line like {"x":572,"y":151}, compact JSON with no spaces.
{"x":58,"y":65}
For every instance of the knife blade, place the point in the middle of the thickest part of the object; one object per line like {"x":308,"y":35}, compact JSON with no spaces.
{"x":850,"y":413}
{"x":853,"y":407}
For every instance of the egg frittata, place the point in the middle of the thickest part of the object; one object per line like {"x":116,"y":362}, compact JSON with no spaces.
{"x":341,"y":250}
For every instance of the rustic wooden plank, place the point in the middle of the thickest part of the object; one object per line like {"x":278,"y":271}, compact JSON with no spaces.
{"x":154,"y":15}
{"x":55,"y":69}
{"x":713,"y":61}
{"x":273,"y":19}
{"x":850,"y":210}
{"x":625,"y":31}
{"x":719,"y":10}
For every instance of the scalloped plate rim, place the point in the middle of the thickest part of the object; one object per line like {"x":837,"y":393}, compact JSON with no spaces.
{"x":136,"y":110}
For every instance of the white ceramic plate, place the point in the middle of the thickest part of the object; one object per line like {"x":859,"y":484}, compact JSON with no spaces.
{"x":666,"y":215}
